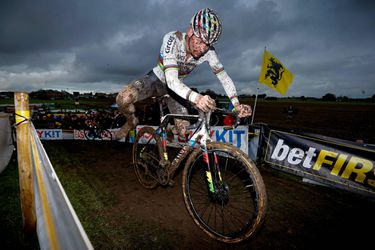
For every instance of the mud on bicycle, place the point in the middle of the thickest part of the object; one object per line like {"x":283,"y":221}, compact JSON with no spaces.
{"x":222,"y":188}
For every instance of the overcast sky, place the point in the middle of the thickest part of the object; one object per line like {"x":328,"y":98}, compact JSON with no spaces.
{"x":96,"y":45}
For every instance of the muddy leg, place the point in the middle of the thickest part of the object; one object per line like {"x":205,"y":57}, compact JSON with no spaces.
{"x":125,"y":101}
{"x":180,"y":125}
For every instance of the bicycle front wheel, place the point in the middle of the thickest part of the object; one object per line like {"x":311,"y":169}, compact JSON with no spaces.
{"x":147,"y":153}
{"x":237,"y":209}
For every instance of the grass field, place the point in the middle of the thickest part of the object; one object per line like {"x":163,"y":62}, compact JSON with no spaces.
{"x":91,"y":200}
{"x":11,"y":233}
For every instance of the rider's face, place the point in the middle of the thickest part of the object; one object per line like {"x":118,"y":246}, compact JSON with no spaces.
{"x":197,"y":47}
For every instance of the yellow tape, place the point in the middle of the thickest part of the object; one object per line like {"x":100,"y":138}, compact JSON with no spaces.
{"x":20,"y":114}
{"x":47,"y":210}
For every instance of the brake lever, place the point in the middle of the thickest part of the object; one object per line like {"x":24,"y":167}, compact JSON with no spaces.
{"x":236,"y":123}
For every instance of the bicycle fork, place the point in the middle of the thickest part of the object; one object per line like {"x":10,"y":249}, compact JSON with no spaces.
{"x":213,"y":174}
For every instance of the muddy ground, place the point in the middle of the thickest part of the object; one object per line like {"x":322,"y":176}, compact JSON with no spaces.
{"x":300,"y":215}
{"x":341,"y":120}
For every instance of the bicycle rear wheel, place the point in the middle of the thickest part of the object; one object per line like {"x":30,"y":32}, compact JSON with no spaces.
{"x":237,"y":210}
{"x":90,"y":134}
{"x":147,"y":153}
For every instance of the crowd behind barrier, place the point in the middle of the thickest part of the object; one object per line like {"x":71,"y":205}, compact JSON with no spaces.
{"x":106,"y":119}
{"x":70,"y":121}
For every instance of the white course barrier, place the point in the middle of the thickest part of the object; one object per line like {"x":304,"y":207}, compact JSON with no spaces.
{"x":58,"y":226}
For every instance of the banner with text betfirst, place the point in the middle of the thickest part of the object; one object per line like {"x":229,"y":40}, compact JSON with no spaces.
{"x":332,"y":162}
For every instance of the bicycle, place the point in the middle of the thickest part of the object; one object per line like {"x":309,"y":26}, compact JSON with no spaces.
{"x":93,"y":131}
{"x":222,"y":188}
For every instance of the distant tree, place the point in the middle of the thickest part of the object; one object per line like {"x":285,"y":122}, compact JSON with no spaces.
{"x":343,"y":99}
{"x":210,"y":93}
{"x":373,"y":98}
{"x":271,"y":98}
{"x":262,"y":96}
{"x":303,"y":98}
{"x":329,"y":97}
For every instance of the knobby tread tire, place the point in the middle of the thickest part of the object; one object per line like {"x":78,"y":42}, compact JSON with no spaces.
{"x":259,"y":186}
{"x":149,"y":130}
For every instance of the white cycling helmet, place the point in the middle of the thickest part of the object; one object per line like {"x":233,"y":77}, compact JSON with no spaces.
{"x":206,"y":25}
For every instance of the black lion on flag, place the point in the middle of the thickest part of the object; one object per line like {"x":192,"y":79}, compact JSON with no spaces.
{"x":274,"y":71}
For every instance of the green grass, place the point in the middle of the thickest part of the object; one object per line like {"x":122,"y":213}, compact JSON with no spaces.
{"x":93,"y":202}
{"x":308,"y":101}
{"x":11,"y":227}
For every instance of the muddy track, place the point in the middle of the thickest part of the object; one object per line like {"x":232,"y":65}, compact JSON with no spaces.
{"x":300,"y":215}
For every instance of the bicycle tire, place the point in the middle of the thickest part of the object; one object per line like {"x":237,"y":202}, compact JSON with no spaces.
{"x":89,"y":134}
{"x":214,"y":121}
{"x":146,"y":157}
{"x":230,"y":223}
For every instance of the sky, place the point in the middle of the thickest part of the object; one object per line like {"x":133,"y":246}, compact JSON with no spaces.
{"x":99,"y":46}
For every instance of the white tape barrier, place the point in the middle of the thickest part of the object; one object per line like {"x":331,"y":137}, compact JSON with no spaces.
{"x":6,"y":145}
{"x":58,"y":226}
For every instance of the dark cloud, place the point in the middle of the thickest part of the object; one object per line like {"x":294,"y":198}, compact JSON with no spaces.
{"x":96,"y":45}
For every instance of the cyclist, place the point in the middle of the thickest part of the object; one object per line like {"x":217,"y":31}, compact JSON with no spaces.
{"x":180,"y":53}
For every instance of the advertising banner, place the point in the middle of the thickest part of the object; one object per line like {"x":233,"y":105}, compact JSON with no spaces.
{"x":99,"y":135}
{"x":237,"y":137}
{"x":328,"y":161}
{"x":50,"y":134}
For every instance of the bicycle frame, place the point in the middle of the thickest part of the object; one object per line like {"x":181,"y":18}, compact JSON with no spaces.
{"x":223,"y":190}
{"x":200,"y":132}
{"x":199,"y":137}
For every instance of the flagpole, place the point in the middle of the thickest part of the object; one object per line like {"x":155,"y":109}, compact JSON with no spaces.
{"x":255,"y":105}
{"x":256,"y":96}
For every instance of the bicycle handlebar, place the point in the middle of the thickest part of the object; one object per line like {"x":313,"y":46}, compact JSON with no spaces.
{"x":202,"y":116}
{"x":234,"y":113}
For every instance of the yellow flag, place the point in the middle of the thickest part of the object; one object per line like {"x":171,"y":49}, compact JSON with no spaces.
{"x":274,"y":74}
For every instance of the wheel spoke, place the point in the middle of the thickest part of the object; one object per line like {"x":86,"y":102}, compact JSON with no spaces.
{"x":230,"y":213}
{"x":146,"y":157}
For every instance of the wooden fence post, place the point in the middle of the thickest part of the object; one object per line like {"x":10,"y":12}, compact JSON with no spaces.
{"x":22,"y":112}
